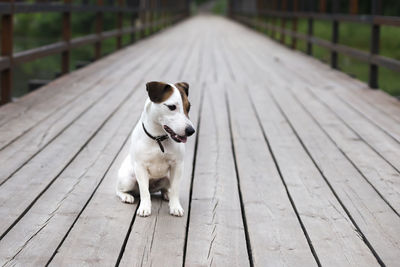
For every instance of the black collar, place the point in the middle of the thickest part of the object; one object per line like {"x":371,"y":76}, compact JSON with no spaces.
{"x":158,"y":139}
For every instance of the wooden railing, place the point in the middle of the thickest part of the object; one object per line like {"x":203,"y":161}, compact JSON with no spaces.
{"x":284,"y":10}
{"x":152,"y":14}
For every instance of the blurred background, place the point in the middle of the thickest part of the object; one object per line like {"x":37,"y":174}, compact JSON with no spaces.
{"x":37,"y":29}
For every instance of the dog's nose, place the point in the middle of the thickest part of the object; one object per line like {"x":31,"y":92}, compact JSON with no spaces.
{"x":189,"y":131}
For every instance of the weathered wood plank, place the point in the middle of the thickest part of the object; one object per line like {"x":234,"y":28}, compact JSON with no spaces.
{"x":17,"y":153}
{"x":317,"y":80}
{"x":63,"y":193}
{"x":375,"y":219}
{"x":334,"y":237}
{"x":356,"y":192}
{"x":162,"y":235}
{"x":383,"y":177}
{"x":382,"y":174}
{"x":106,"y":245}
{"x":332,"y":233}
{"x":24,"y":114}
{"x":216,"y":232}
{"x":276,"y":236}
{"x":31,"y":180}
{"x":317,"y":178}
{"x":335,"y":80}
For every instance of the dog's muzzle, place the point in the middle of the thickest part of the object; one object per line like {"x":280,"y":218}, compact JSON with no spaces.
{"x":179,"y":138}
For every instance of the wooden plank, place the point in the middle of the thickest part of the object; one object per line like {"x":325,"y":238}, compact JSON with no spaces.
{"x":25,"y":113}
{"x":65,"y":197}
{"x":390,"y":126}
{"x":384,"y":145}
{"x":378,"y":99}
{"x":162,"y":234}
{"x":35,"y":238}
{"x":216,"y":233}
{"x":32,"y":142}
{"x":276,"y":236}
{"x":346,"y":88}
{"x":355,"y":194}
{"x":333,"y":235}
{"x":73,"y":251}
{"x":375,"y":219}
{"x":379,"y":108}
{"x":36,"y":175}
{"x":381,"y":175}
{"x":389,"y":105}
{"x":335,"y":238}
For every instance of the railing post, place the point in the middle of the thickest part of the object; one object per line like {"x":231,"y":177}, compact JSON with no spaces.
{"x":322,"y":6}
{"x":151,"y":16}
{"x":66,"y":35}
{"x":141,"y":18}
{"x":134,"y":5}
{"x":7,"y":51}
{"x":119,"y":25}
{"x":353,"y":7}
{"x":374,"y":46}
{"x":283,"y":20}
{"x":310,"y":27}
{"x":230,"y":9}
{"x":156,"y":16}
{"x":335,"y":34}
{"x":99,"y":29}
{"x":274,"y":5}
{"x":163,"y":13}
{"x":294,"y":24}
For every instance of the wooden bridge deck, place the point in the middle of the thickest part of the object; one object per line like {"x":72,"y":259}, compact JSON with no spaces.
{"x":293,"y":164}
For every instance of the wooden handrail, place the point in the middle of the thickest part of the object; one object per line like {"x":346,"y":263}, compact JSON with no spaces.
{"x":375,"y":20}
{"x":177,"y":10}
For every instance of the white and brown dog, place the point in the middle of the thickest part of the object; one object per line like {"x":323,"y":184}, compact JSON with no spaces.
{"x":155,"y":159}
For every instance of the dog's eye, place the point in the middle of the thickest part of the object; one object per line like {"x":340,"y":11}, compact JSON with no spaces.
{"x":171,"y":107}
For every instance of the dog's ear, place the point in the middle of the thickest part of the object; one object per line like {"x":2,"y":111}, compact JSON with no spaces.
{"x":158,"y":91}
{"x":184,"y":86}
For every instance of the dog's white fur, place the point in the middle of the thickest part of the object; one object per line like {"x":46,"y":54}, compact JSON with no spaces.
{"x":146,"y":163}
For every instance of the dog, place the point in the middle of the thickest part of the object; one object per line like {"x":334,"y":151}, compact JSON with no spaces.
{"x":155,"y":159}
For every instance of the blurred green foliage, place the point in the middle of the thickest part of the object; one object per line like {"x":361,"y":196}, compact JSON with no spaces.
{"x":35,"y":30}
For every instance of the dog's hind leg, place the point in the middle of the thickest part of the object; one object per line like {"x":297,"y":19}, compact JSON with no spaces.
{"x":126,"y":181}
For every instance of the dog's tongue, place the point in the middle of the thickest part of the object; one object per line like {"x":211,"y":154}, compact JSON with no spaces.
{"x":183,"y":139}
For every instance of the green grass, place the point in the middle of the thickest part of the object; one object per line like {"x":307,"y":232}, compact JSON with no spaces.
{"x":220,"y":7}
{"x":357,"y":36}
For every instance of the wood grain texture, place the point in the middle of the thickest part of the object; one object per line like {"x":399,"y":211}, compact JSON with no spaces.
{"x":336,"y":168}
{"x":293,"y":163}
{"x":300,"y":174}
{"x":216,"y":233}
{"x":276,"y":236}
{"x":95,"y":164}
{"x":162,"y":235}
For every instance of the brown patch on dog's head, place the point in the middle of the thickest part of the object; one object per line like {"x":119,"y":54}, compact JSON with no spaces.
{"x":184,"y":90}
{"x":159,"y":91}
{"x":184,"y":86}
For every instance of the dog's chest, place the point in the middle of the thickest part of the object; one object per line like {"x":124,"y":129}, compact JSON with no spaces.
{"x":158,"y":168}
{"x":158,"y":165}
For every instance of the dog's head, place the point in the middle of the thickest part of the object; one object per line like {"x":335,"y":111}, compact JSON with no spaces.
{"x":171,"y":108}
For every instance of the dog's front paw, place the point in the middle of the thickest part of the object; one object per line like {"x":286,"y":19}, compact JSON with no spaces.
{"x":176,"y":210}
{"x":126,"y":198}
{"x":144,"y":210}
